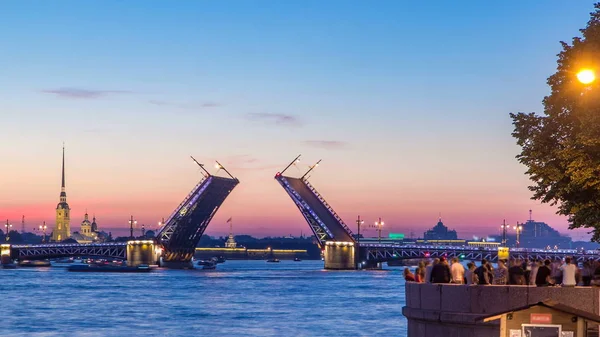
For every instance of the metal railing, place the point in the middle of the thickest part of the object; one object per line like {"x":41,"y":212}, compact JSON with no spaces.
{"x":328,"y":207}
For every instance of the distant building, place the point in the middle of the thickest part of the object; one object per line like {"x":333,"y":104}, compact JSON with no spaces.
{"x":230,"y":240}
{"x":94,"y":224}
{"x":440,"y":232}
{"x":86,"y":235}
{"x":62,"y":230}
{"x":537,"y":234}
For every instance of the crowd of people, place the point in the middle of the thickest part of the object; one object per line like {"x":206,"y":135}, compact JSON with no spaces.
{"x":541,"y":273}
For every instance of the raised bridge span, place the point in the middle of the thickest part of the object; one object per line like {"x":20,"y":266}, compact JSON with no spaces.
{"x":175,"y":241}
{"x":342,"y":251}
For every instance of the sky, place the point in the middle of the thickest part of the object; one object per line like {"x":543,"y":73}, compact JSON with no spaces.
{"x":406,"y":103}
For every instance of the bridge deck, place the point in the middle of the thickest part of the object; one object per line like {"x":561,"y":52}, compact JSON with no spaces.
{"x":117,"y":250}
{"x":184,"y":228}
{"x":375,"y":252}
{"x":315,"y":209}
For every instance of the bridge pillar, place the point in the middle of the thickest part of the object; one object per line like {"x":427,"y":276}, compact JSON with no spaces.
{"x":141,"y":252}
{"x":5,"y":254}
{"x":339,"y":255}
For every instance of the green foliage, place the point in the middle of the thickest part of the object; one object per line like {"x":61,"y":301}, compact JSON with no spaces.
{"x":561,"y":148}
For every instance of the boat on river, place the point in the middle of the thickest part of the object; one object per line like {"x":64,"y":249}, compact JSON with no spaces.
{"x":142,"y":268}
{"x":208,"y":264}
{"x":34,"y":263}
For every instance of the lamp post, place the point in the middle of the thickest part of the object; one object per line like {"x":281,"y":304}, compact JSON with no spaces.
{"x":43,"y":229}
{"x":131,"y":224}
{"x":518,"y":228}
{"x":8,"y":226}
{"x":379,"y":225}
{"x":504,"y":226}
{"x":359,"y":223}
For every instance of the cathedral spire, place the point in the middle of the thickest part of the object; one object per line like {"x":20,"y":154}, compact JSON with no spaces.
{"x":62,"y":189}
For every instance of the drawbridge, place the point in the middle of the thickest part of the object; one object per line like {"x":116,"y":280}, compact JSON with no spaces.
{"x":181,"y":232}
{"x":320,"y":216}
{"x":176,"y":240}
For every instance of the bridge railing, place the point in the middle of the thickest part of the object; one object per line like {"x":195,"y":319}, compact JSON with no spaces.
{"x":329,"y":208}
{"x":298,"y":199}
{"x":184,"y":202}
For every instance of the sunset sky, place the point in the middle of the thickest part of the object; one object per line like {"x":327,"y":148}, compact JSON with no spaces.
{"x":407,"y":104}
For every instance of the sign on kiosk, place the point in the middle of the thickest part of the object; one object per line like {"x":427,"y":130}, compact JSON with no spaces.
{"x":540,"y":318}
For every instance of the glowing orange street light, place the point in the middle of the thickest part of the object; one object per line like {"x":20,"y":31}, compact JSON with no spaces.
{"x":586,"y":76}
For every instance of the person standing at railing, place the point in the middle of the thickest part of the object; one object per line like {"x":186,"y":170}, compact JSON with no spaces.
{"x":516,"y":274}
{"x":458,"y":272}
{"x":408,"y":276}
{"x":440,"y":273}
{"x":569,"y":271}
{"x":501,"y":273}
{"x":470,"y":275}
{"x":420,"y":272}
{"x":428,"y":269}
{"x":483,"y":273}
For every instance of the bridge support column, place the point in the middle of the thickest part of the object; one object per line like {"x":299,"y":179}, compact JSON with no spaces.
{"x":339,"y":255}
{"x":141,"y":252}
{"x":5,"y":254}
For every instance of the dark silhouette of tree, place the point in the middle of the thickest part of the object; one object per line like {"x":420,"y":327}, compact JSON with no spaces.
{"x":561,"y":148}
{"x":15,"y":237}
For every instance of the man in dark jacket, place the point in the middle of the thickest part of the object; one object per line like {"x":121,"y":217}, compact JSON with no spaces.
{"x":483,"y":274}
{"x":543,"y":274}
{"x":440,"y":273}
{"x":516,"y":274}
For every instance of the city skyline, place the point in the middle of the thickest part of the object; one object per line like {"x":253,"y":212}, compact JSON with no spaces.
{"x":403,"y":133}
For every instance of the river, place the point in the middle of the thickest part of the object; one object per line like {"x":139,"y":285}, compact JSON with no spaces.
{"x":239,"y":298}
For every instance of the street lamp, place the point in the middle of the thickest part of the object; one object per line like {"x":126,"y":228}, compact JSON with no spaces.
{"x":518,"y":228}
{"x":586,"y":76}
{"x":8,"y":226}
{"x":379,"y":225}
{"x":359,"y":223}
{"x":43,"y":228}
{"x":131,"y":224}
{"x":504,"y":226}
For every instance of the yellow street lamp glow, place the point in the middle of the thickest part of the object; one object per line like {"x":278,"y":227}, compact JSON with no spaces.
{"x":586,"y":76}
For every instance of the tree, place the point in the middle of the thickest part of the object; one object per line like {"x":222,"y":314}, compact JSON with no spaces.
{"x":561,"y":148}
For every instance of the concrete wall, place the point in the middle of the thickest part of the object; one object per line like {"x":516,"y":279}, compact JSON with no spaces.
{"x":339,"y":257}
{"x":140,"y":253}
{"x":452,"y":310}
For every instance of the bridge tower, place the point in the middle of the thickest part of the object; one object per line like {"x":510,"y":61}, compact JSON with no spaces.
{"x":181,"y":232}
{"x":333,"y":236}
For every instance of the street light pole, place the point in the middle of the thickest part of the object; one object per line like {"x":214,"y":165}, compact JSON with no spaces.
{"x":131,"y":224}
{"x":503,"y":226}
{"x":359,"y":222}
{"x":43,"y":228}
{"x":518,"y":228}
{"x":8,"y":226}
{"x":379,"y":225}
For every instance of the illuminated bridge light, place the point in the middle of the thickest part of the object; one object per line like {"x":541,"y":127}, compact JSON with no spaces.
{"x":339,"y":243}
{"x":138,"y":242}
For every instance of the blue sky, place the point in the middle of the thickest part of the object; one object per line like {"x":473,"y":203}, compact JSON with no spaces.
{"x":406,"y":102}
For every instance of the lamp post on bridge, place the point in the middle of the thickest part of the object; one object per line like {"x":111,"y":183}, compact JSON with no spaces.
{"x":519,"y":229}
{"x":131,"y":224}
{"x":504,"y":226}
{"x":359,"y":223}
{"x":379,"y":225}
{"x":43,"y":229}
{"x":7,"y":226}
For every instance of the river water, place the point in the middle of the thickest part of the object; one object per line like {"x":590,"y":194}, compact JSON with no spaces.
{"x":239,"y":298}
